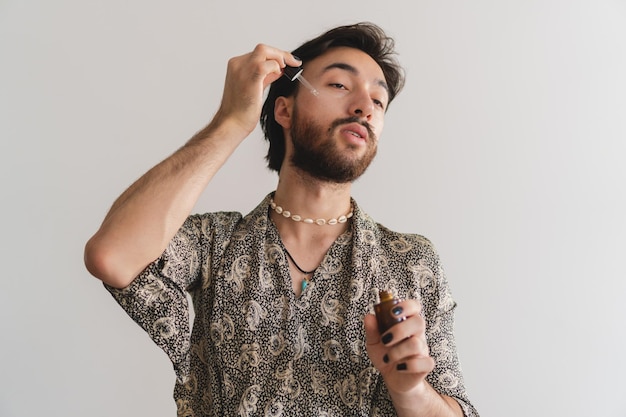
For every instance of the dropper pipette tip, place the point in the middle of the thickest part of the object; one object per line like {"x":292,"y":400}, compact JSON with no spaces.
{"x":308,"y":85}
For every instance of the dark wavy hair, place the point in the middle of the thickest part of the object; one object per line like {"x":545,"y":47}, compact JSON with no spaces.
{"x":364,"y":36}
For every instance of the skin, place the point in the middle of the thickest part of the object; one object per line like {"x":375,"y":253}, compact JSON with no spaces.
{"x":147,"y":215}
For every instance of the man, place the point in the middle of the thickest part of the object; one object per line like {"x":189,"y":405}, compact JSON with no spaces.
{"x":282,"y":297}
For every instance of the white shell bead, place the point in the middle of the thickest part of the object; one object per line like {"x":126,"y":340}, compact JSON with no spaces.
{"x":321,"y":222}
{"x":308,"y":221}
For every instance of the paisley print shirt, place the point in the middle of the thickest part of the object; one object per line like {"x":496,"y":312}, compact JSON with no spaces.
{"x":258,"y":350}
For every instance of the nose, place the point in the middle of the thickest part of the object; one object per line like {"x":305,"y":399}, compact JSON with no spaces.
{"x":362,"y":106}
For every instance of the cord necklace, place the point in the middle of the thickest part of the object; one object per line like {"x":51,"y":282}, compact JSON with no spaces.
{"x":306,"y":280}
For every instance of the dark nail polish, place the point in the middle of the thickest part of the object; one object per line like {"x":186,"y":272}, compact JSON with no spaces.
{"x":396,"y":311}
{"x":387,"y":338}
{"x":296,"y":57}
{"x":401,"y":367}
{"x":386,"y":359}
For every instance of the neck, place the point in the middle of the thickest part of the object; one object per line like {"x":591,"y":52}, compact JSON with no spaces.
{"x":310,"y":197}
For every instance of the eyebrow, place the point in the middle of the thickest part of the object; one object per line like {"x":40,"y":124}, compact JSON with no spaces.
{"x":351,"y":69}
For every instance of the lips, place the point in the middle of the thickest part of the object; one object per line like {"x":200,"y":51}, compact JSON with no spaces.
{"x":356,"y":130}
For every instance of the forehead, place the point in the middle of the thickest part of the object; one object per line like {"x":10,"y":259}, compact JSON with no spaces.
{"x":359,"y":63}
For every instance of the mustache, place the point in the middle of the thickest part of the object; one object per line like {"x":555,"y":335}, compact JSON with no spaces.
{"x":353,"y":119}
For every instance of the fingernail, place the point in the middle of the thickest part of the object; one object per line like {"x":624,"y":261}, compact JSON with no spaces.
{"x":387,"y":338}
{"x":386,"y":359}
{"x":396,"y":311}
{"x":401,"y":367}
{"x":296,"y":57}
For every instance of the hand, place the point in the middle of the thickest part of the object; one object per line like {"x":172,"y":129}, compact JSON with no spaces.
{"x":247,"y":76}
{"x":404,"y":360}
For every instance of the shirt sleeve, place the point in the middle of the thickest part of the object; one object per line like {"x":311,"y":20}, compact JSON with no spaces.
{"x":439,"y":306}
{"x":157,"y":298}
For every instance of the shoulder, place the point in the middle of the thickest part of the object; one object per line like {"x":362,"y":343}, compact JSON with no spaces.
{"x":402,"y":242}
{"x":218,"y":219}
{"x":206,"y":224}
{"x":226,"y":222}
{"x":399,"y":244}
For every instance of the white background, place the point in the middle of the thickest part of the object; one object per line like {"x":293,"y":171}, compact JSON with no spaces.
{"x":506,"y":149}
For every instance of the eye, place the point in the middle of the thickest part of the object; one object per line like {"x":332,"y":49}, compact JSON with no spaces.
{"x":338,"y":85}
{"x":379,"y":103}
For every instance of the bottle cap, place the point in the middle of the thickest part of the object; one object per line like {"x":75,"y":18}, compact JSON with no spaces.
{"x":385,"y":295}
{"x":292,"y":72}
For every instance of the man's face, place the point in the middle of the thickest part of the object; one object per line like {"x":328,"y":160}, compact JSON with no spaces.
{"x":335,"y":135}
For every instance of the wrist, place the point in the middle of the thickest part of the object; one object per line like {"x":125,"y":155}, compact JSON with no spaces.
{"x":418,"y":396}
{"x":424,"y":400}
{"x":220,"y":137}
{"x":237,"y":124}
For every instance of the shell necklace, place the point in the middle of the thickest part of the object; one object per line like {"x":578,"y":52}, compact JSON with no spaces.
{"x":320,"y":222}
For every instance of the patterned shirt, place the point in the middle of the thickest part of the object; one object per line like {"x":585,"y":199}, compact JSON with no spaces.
{"x":258,"y":350}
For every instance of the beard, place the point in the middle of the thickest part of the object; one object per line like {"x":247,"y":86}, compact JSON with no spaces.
{"x":316,"y":152}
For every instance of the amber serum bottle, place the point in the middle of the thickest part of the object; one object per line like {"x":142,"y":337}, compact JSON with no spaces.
{"x":383,"y":311}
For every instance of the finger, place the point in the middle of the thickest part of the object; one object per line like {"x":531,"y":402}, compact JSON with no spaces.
{"x":408,"y":348}
{"x":264,"y":64}
{"x":414,"y":326}
{"x":269,"y":71}
{"x":372,"y":337}
{"x":406,"y":308}
{"x":401,"y":311}
{"x":283,"y":58}
{"x":416,"y":365}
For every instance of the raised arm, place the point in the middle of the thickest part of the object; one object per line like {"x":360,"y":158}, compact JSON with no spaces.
{"x":146,"y":216}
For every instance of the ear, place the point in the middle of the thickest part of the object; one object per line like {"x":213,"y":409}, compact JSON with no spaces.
{"x":283,"y":111}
